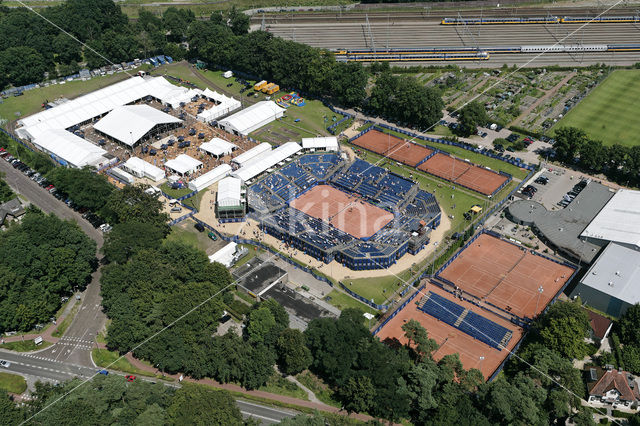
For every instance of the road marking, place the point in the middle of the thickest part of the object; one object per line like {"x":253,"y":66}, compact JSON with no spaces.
{"x":262,"y":417}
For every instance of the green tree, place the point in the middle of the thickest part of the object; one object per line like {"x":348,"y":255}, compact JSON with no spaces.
{"x":261,"y":321}
{"x":238,"y":21}
{"x":199,"y":405}
{"x":358,"y":393}
{"x":132,"y":204}
{"x":471,"y":116}
{"x":126,"y":239}
{"x":6,"y":193}
{"x":627,"y":326}
{"x":419,"y":338}
{"x":22,"y":65}
{"x":563,"y":329}
{"x":86,"y":188}
{"x":569,"y":141}
{"x":9,"y":412}
{"x":293,"y":355}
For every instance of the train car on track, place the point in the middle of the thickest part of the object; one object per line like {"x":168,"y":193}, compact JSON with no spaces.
{"x":472,"y":56}
{"x":623,"y":47}
{"x":564,"y":48}
{"x":599,"y":19}
{"x":501,"y":21}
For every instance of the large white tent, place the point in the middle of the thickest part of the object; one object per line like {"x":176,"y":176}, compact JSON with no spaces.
{"x":129,"y":123}
{"x":225,"y":255}
{"x":255,"y":168}
{"x":252,"y":118}
{"x":69,"y":149}
{"x":248,"y":156}
{"x":210,"y":178}
{"x":224,"y":105}
{"x":229,"y":192}
{"x":329,"y":143}
{"x":96,"y":104}
{"x":183,"y":164}
{"x":218,"y":147}
{"x":141,"y":168}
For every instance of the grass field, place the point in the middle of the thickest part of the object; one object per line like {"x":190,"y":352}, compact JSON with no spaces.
{"x":12,"y":383}
{"x":26,"y":346}
{"x":343,"y":301}
{"x":185,"y":232}
{"x":105,"y":358}
{"x":610,"y":112}
{"x":377,"y":288}
{"x":281,"y":386}
{"x":31,"y":101}
{"x":318,"y":387}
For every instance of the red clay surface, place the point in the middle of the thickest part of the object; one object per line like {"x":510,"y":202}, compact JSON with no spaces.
{"x":357,"y":218}
{"x":378,"y":142}
{"x":450,"y":339}
{"x":464,"y":173}
{"x":507,"y":276}
{"x":393,"y":147}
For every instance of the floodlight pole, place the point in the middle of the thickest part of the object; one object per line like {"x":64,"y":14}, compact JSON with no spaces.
{"x":540,"y":290}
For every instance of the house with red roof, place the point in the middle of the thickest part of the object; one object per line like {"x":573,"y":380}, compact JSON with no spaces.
{"x":614,"y":387}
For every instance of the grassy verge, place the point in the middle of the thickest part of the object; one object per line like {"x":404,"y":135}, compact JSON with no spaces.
{"x":185,"y":233}
{"x":281,"y":386}
{"x":253,"y":252}
{"x":26,"y":346}
{"x":175,"y":193}
{"x":609,"y":113}
{"x":318,"y":387}
{"x":12,"y":383}
{"x":31,"y":101}
{"x":62,"y":327}
{"x":377,"y":288}
{"x":343,"y":301}
{"x":104,"y":358}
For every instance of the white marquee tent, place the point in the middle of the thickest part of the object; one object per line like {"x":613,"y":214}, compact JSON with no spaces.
{"x":183,"y":164}
{"x":210,"y":178}
{"x":225,"y":255}
{"x":218,"y":147}
{"x":254,"y":152}
{"x":229,"y":192}
{"x":252,"y":118}
{"x":129,"y":123}
{"x":329,"y":143}
{"x":224,"y":105}
{"x":141,"y":168}
{"x":69,"y":149}
{"x":255,"y":168}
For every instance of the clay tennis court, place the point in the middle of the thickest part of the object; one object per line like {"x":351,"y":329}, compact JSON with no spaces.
{"x":507,"y":276}
{"x":393,"y":147}
{"x":463,"y":173}
{"x":450,"y":339}
{"x":357,"y":218}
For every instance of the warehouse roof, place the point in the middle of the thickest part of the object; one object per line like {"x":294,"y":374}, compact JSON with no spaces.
{"x":619,"y":220}
{"x":616,"y":273}
{"x":218,"y":147}
{"x":71,"y":148}
{"x":129,"y":123}
{"x":254,"y":168}
{"x":246,"y":120}
{"x":329,"y":143}
{"x":563,"y":227}
{"x":183,"y":164}
{"x":229,"y":192}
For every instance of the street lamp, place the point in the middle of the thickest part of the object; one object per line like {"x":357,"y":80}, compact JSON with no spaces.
{"x":481,"y":359}
{"x":540,"y":290}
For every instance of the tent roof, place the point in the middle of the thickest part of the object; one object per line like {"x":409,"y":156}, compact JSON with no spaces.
{"x":217,"y":146}
{"x":71,"y":148}
{"x":144,"y":167}
{"x":131,"y":122}
{"x":252,"y":153}
{"x":254,"y":168}
{"x":224,"y":255}
{"x":183,"y":164}
{"x":249,"y":117}
{"x":210,"y":177}
{"x":229,"y":192}
{"x":330,"y":142}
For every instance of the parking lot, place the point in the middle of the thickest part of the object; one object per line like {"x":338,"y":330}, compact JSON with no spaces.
{"x":560,"y":182}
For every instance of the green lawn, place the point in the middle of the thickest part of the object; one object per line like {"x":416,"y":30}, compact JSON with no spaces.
{"x":31,"y":101}
{"x":610,"y":112}
{"x":108,"y":359}
{"x":186,"y":233}
{"x":343,"y":301}
{"x":281,"y":386}
{"x":377,"y":288}
{"x":62,"y":327}
{"x":318,"y":387}
{"x":175,"y":193}
{"x":26,"y":346}
{"x":12,"y":383}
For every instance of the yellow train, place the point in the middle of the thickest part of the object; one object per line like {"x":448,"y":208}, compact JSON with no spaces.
{"x":475,"y":56}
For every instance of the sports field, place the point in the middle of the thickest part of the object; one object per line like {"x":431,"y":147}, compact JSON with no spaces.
{"x":507,"y":276}
{"x":345,"y":212}
{"x":610,"y":112}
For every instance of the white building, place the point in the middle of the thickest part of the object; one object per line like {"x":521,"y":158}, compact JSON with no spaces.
{"x":252,"y":118}
{"x":183,"y":165}
{"x":224,"y":105}
{"x":140,"y":168}
{"x":218,"y":147}
{"x":252,"y":154}
{"x":226,"y":255}
{"x":619,"y":220}
{"x":130,"y":123}
{"x":209,"y":178}
{"x":122,"y":175}
{"x":71,"y":150}
{"x":329,"y":143}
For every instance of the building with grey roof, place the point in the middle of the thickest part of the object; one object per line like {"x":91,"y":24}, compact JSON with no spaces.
{"x":12,"y":208}
{"x":611,"y":283}
{"x":561,"y":229}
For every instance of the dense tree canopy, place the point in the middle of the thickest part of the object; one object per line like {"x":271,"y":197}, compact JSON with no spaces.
{"x":83,"y":186}
{"x":41,"y":259}
{"x":472,"y":115}
{"x":6,"y":193}
{"x":132,"y":204}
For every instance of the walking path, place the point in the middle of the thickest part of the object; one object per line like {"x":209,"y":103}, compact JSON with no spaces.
{"x":543,"y":98}
{"x":312,"y":396}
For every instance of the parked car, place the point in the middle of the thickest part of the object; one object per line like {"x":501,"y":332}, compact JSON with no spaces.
{"x":4,"y":364}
